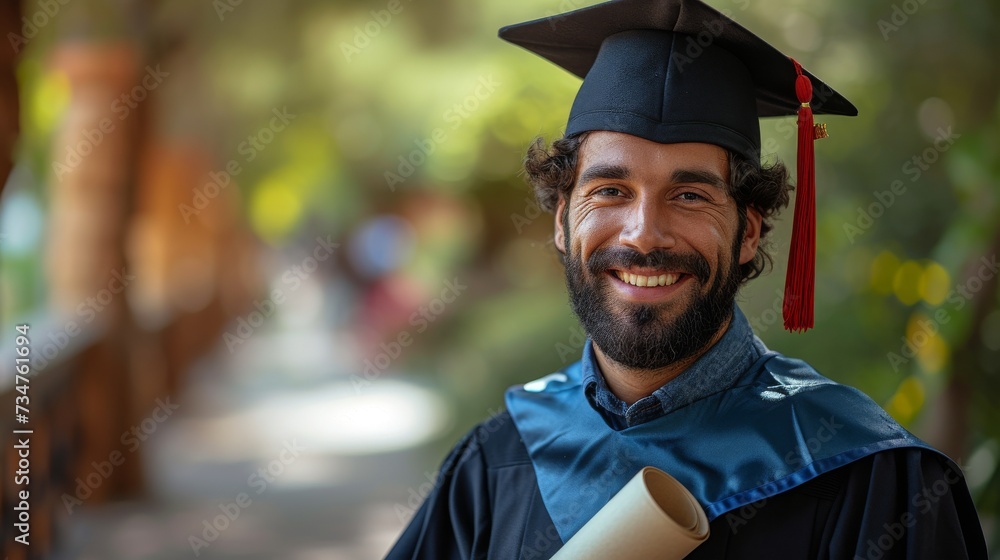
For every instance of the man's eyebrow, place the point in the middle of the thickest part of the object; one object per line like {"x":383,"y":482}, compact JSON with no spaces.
{"x":699,"y":176}
{"x":603,"y":171}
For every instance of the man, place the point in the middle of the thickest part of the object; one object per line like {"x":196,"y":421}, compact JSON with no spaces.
{"x":662,"y":210}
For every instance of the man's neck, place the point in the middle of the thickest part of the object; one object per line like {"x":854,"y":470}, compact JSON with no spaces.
{"x":631,"y":384}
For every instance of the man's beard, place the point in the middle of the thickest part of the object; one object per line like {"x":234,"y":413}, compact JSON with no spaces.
{"x":639,"y":337}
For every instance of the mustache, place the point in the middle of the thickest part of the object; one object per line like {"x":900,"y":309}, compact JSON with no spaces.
{"x":624,"y":257}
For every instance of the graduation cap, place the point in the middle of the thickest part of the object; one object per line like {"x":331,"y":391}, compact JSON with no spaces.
{"x":681,"y":71}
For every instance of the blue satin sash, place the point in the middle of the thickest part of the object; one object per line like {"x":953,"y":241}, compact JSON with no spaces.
{"x":780,"y":426}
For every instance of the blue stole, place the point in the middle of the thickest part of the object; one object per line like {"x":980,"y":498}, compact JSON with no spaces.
{"x":780,"y":426}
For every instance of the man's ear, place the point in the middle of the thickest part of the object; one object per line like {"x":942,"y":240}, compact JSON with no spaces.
{"x":560,"y":238}
{"x":751,"y":236}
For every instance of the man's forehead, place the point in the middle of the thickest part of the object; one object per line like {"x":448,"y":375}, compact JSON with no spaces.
{"x":635,"y":154}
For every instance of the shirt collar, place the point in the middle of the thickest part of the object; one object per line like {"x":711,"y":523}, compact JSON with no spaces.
{"x":716,"y":370}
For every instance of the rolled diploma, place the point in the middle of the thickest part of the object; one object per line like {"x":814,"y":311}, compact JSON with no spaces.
{"x":653,"y":516}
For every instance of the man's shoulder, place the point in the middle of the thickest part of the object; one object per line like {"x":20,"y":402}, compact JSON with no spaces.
{"x":908,"y":462}
{"x":782,"y":380}
{"x":775,"y":368}
{"x":778,"y":377}
{"x":494,"y":443}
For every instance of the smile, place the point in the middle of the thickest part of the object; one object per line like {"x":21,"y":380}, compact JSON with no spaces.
{"x":644,"y":281}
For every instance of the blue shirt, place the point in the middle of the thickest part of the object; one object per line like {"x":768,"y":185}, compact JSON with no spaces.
{"x":716,"y":370}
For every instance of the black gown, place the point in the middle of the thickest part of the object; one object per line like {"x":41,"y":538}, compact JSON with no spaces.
{"x":896,"y":504}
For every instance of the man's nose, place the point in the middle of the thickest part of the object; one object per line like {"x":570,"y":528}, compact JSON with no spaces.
{"x":647,"y":226}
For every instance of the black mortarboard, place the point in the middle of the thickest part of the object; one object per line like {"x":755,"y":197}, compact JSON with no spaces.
{"x":681,"y":71}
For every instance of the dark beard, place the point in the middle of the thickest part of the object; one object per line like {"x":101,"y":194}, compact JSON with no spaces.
{"x":640,"y":338}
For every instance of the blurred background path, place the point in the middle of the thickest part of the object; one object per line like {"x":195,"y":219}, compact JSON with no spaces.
{"x":323,"y":463}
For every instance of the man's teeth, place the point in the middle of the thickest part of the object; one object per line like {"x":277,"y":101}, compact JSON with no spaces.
{"x":647,"y":281}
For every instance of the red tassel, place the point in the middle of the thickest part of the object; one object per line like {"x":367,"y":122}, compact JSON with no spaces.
{"x":800,"y":277}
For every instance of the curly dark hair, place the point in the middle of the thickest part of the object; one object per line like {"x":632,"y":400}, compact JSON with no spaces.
{"x":551,"y":171}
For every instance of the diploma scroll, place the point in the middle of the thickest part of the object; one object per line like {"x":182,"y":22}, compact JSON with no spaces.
{"x":653,"y":516}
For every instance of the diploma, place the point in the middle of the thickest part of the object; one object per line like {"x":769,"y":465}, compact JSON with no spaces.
{"x":653,"y":516}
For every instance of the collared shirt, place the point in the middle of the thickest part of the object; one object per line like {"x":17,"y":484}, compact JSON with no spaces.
{"x":716,"y":370}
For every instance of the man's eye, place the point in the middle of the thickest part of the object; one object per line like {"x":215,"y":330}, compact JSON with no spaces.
{"x":690,"y":196}
{"x":609,"y":191}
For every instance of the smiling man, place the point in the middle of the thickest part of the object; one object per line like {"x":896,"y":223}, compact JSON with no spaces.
{"x":662,"y":211}
{"x":655,"y":257}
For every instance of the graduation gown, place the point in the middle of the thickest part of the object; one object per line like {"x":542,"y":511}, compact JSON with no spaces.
{"x":487,"y":505}
{"x":785,"y":462}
